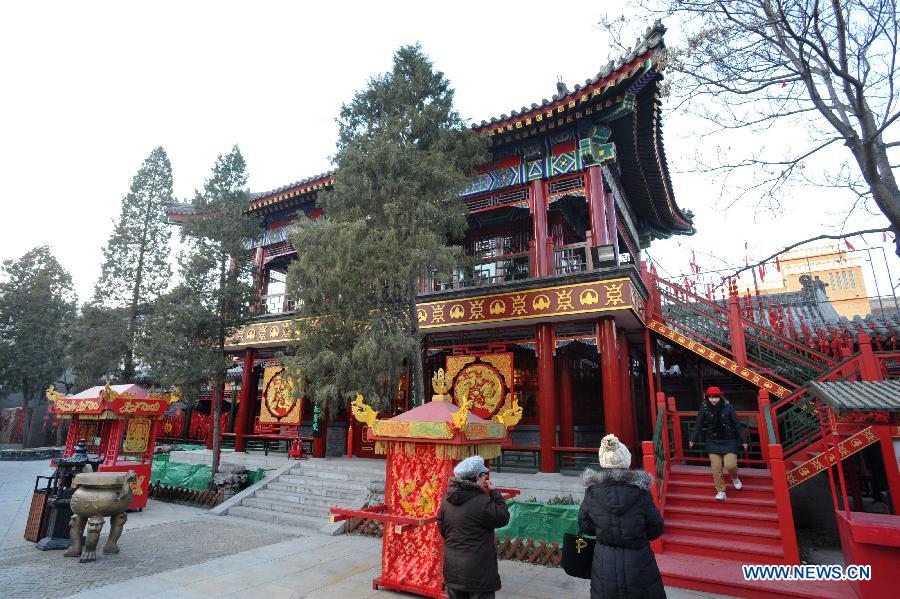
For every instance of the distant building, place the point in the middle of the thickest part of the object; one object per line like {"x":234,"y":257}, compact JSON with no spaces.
{"x":840,"y":272}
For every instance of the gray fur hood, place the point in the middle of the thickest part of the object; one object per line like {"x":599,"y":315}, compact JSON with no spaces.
{"x":636,"y":478}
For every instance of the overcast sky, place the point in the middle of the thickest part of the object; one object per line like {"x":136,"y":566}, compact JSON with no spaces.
{"x":90,"y":88}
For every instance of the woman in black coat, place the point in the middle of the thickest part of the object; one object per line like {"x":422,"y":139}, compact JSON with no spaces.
{"x":619,"y":509}
{"x":469,"y":513}
{"x":718,"y":423}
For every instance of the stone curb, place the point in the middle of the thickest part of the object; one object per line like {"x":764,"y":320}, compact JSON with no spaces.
{"x":222,"y":508}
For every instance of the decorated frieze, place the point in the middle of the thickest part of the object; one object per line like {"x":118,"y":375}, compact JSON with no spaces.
{"x":718,"y":359}
{"x":820,"y":462}
{"x":262,"y":333}
{"x":563,"y":300}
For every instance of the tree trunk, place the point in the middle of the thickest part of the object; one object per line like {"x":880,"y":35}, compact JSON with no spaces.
{"x":216,"y":411}
{"x":219,"y":387}
{"x":417,"y":366}
{"x":26,"y":416}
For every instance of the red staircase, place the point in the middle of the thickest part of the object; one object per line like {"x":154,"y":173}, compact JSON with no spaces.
{"x":745,"y":524}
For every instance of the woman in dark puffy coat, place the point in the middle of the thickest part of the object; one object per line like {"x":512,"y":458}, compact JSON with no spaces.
{"x":718,"y":423}
{"x":618,"y":508}
{"x":469,"y":513}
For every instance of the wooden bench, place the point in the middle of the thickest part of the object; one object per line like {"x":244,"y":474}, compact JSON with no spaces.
{"x":518,"y":456}
{"x":265,"y":433}
{"x":575,"y":458}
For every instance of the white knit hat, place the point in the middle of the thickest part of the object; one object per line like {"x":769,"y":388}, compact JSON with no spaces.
{"x":470,"y":467}
{"x":613,"y":454}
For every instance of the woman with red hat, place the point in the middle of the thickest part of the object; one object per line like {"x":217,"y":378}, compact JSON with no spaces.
{"x":718,"y":423}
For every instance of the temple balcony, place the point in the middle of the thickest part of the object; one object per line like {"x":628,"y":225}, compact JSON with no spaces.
{"x":578,"y":290}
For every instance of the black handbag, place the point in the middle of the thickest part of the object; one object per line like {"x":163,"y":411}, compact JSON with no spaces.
{"x":577,"y":555}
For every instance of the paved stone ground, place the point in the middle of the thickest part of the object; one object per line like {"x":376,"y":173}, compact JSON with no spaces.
{"x":174,"y":552}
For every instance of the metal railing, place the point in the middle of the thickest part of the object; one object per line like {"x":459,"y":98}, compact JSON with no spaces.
{"x":277,"y":303}
{"x":511,"y":267}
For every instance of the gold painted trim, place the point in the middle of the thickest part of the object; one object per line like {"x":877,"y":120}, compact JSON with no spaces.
{"x":535,"y":290}
{"x":528,"y":317}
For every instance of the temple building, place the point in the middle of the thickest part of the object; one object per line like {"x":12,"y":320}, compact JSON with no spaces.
{"x":561,"y":316}
{"x":551,"y":316}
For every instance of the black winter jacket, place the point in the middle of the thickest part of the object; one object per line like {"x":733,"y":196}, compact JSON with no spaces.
{"x":467,"y":519}
{"x":721,"y":436}
{"x":618,"y":508}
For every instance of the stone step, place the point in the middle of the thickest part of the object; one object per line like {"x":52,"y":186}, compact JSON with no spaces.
{"x":280,"y":518}
{"x":314,"y":487}
{"x":329,"y":474}
{"x":305,"y":499}
{"x":315,"y":511}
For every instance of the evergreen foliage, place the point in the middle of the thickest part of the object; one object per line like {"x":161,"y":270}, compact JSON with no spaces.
{"x":136,"y":268}
{"x":37,"y":307}
{"x":99,"y":343}
{"x":402,"y":158}
{"x":187,"y":329}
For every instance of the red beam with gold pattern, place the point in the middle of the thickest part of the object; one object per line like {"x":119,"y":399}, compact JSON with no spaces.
{"x":563,"y":300}
{"x":749,"y":375}
{"x":846,"y":448}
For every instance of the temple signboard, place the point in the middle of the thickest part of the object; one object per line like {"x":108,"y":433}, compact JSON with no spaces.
{"x":561,"y":300}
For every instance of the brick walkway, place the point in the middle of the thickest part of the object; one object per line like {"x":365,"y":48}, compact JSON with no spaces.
{"x":28,"y":572}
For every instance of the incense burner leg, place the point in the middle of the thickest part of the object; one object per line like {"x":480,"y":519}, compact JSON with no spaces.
{"x":94,"y":526}
{"x":116,"y":524}
{"x":76,"y":529}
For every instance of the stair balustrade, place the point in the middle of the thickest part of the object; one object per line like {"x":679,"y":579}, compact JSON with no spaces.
{"x":724,"y":329}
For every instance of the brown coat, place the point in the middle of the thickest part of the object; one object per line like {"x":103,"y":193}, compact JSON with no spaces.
{"x":467,"y":519}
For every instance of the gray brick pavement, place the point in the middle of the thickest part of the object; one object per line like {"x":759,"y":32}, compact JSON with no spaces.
{"x":27,"y":572}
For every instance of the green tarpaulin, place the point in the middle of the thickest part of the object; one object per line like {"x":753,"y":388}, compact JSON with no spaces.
{"x":540,"y":521}
{"x":189,"y":476}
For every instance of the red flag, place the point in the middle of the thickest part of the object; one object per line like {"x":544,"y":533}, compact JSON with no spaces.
{"x":777,"y":264}
{"x":762,"y":272}
{"x":884,"y":236}
{"x":849,"y":246}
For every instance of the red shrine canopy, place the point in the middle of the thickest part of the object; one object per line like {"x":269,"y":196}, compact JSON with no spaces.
{"x":112,"y":401}
{"x":130,"y":391}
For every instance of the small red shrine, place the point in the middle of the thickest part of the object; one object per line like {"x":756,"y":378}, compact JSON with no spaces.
{"x":119,"y":423}
{"x":422,"y":447}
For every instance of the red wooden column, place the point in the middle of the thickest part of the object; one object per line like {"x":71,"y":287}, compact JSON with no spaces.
{"x":609,"y":374}
{"x":217,"y":393}
{"x":891,"y":467}
{"x":546,"y":395}
{"x":597,"y":205}
{"x":320,"y":436}
{"x":248,"y":396}
{"x":566,"y":419}
{"x":651,"y":386}
{"x":628,"y":435}
{"x":541,"y":265}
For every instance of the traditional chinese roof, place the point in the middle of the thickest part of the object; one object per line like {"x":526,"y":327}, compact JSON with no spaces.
{"x":433,"y":422}
{"x":113,"y":401}
{"x":625,"y":96}
{"x":859,"y":396}
{"x":298,"y":189}
{"x":565,"y":101}
{"x":132,"y":391}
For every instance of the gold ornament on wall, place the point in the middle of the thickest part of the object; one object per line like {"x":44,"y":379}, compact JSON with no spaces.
{"x":510,"y":416}
{"x":362,"y":411}
{"x":441,"y":384}
{"x":461,"y":417}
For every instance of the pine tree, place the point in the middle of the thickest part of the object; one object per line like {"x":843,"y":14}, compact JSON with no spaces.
{"x":99,"y":342}
{"x":403,"y":156}
{"x":136,"y":268}
{"x":37,"y":306}
{"x":186,"y":332}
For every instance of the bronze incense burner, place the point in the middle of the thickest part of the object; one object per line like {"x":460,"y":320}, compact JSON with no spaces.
{"x":98,"y":494}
